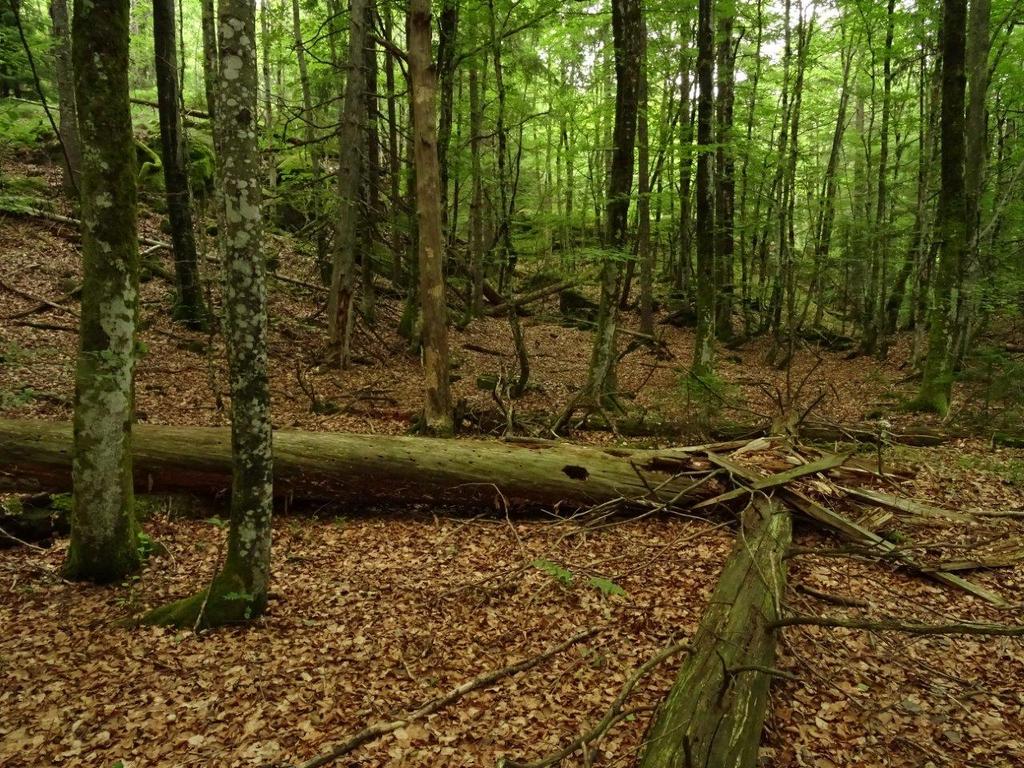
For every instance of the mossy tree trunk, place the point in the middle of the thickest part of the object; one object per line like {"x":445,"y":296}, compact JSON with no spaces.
{"x":188,"y":305}
{"x":714,"y":713}
{"x":238,"y":593}
{"x":437,"y":410}
{"x":66,"y":95}
{"x":103,"y":528}
{"x":937,"y":378}
{"x":371,"y":469}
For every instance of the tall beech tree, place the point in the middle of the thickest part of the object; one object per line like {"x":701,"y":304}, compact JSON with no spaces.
{"x":104,"y":546}
{"x":341,"y":301}
{"x":437,"y":408}
{"x":704,"y":341}
{"x":65,"y":77}
{"x":627,"y":34}
{"x":238,"y":592}
{"x":937,"y":376}
{"x":188,"y":305}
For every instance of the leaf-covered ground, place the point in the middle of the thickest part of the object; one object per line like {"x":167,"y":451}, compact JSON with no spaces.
{"x":374,"y":612}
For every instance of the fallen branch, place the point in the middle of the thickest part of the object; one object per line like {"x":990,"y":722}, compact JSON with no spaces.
{"x":528,"y":298}
{"x":35,"y":213}
{"x":907,"y":627}
{"x":611,"y":716}
{"x":377,"y":730}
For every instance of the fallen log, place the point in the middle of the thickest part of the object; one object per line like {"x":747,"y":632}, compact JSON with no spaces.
{"x":367,"y":469}
{"x":528,"y":298}
{"x":715,"y":710}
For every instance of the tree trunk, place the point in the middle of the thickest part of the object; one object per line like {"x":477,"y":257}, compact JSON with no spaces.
{"x":725,"y":182}
{"x":874,"y":316}
{"x":103,"y":528}
{"x":448,"y":28}
{"x":315,"y":152}
{"x":210,"y":57}
{"x":627,"y":31}
{"x":238,"y":592}
{"x":371,"y":176}
{"x":188,"y":304}
{"x":437,"y":410}
{"x":937,"y":378}
{"x":703,"y":351}
{"x":66,"y":96}
{"x":714,"y":713}
{"x":365,"y":469}
{"x":268,"y":112}
{"x":394,"y":158}
{"x":644,"y":253}
{"x":476,"y":223}
{"x":341,"y":300}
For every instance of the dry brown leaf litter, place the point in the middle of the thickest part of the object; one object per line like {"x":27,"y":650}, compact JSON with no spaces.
{"x":372,"y":616}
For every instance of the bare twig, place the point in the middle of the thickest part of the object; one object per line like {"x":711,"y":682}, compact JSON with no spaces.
{"x":377,"y":730}
{"x":909,"y":627}
{"x":611,"y":716}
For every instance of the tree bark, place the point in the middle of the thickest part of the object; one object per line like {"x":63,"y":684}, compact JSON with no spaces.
{"x":66,"y":96}
{"x":725,"y":181}
{"x":937,"y":378}
{"x":437,"y":410}
{"x":103,"y":528}
{"x":210,"y":56}
{"x":238,"y":592}
{"x":627,"y":31}
{"x":715,"y":711}
{"x":703,"y":352}
{"x":341,"y":300}
{"x":365,"y":469}
{"x":309,"y":131}
{"x":644,"y":252}
{"x":188,"y":305}
{"x":476,"y":223}
{"x":448,"y":28}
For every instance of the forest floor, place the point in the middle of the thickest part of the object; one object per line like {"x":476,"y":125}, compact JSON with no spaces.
{"x":376,"y":612}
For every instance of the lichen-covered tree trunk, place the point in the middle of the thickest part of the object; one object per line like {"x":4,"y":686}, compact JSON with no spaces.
{"x":703,"y":351}
{"x":66,"y":95}
{"x":188,"y":305}
{"x":239,"y":591}
{"x":437,"y":410}
{"x":937,"y":378}
{"x":341,"y":300}
{"x":627,"y":35}
{"x":103,"y":528}
{"x":714,"y":713}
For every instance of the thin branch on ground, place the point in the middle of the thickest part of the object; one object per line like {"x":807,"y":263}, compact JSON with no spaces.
{"x":377,"y":730}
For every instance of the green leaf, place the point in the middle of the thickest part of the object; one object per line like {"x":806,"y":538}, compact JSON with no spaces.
{"x":554,"y":570}
{"x":607,"y":587}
